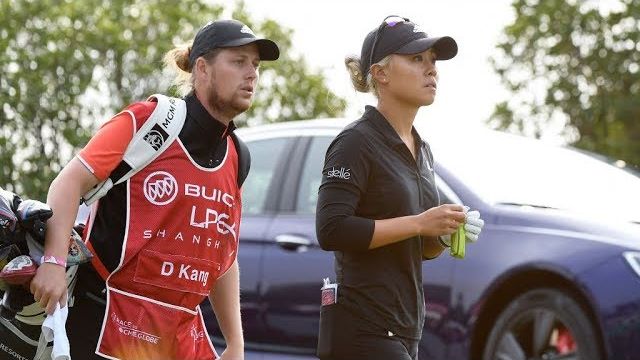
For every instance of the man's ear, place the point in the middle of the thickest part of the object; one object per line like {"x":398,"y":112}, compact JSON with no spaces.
{"x":201,"y":67}
{"x":380,"y":74}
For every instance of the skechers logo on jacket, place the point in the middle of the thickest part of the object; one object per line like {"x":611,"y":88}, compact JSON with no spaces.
{"x":341,"y":173}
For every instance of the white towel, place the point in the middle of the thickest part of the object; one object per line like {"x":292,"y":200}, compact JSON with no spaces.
{"x":53,"y":328}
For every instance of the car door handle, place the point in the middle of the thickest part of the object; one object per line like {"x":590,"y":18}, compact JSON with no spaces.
{"x":292,"y":242}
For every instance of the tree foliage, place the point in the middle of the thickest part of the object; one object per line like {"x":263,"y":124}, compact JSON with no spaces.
{"x":66,"y":66}
{"x":291,"y":92}
{"x":574,"y":61}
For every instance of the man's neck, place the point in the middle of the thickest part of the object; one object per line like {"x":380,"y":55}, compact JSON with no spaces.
{"x":215,"y":113}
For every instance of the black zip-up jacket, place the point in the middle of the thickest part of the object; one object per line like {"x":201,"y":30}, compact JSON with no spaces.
{"x":370,"y":174}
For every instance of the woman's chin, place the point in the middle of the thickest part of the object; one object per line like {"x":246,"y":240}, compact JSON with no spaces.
{"x":427,"y":102}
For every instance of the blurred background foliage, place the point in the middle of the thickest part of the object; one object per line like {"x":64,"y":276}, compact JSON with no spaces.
{"x":573,"y":62}
{"x":67,"y":66}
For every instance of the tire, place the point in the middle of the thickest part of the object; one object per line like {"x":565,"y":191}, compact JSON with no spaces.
{"x":529,"y":328}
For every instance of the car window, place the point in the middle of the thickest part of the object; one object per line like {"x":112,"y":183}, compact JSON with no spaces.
{"x":312,"y":175}
{"x":265,"y":154}
{"x":447,"y":195}
{"x":514,"y":170}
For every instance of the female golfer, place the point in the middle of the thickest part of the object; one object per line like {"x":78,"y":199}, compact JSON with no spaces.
{"x":378,"y":205}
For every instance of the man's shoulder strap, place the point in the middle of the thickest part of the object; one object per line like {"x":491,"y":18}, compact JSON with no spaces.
{"x":244,"y":159}
{"x":152,"y":139}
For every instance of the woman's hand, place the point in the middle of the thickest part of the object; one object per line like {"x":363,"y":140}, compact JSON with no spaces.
{"x":440,"y":220}
{"x":472,"y":226}
{"x":49,"y":286}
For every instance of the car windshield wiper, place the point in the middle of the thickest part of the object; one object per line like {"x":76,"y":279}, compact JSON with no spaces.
{"x":538,"y":206}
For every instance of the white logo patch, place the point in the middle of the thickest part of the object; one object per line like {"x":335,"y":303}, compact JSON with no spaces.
{"x":195,"y":334}
{"x":245,"y":29}
{"x":341,"y":173}
{"x":127,"y":328}
{"x":154,"y":138}
{"x":160,"y":188}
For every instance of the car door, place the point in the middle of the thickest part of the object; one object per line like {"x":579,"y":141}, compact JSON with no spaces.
{"x":437,"y":276}
{"x":260,"y":196}
{"x":294,"y":263}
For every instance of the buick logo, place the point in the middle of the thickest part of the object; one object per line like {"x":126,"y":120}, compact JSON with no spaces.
{"x":160,"y":188}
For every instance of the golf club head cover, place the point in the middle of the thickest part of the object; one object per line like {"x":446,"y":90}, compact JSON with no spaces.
{"x":19,"y":271}
{"x":78,"y":252}
{"x":8,"y":218}
{"x":7,"y":253}
{"x":33,"y":216}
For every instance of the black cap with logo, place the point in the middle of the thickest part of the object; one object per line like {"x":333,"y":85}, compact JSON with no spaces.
{"x":230,"y":33}
{"x":397,"y":35}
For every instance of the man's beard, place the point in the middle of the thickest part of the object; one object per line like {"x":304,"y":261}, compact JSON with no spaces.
{"x":228,"y":108}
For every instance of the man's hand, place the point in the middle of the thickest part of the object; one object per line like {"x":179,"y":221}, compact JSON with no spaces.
{"x":225,"y":301}
{"x":49,"y":286}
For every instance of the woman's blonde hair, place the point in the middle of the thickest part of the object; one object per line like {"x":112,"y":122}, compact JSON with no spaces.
{"x":177,"y":61}
{"x":361,"y":83}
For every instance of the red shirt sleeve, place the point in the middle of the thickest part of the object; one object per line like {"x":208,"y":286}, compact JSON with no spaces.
{"x":106,"y":148}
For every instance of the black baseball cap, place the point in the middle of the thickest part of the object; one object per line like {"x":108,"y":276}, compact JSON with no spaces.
{"x":230,"y":33}
{"x":398,"y":35}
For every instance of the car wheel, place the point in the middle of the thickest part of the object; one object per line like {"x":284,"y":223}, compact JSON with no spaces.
{"x":542,"y":324}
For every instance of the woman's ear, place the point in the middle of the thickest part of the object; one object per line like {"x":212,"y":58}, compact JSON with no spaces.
{"x":380,"y":74}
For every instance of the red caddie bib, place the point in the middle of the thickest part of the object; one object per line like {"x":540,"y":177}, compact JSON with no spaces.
{"x":181,"y":236}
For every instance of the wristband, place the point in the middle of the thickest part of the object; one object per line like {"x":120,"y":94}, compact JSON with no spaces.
{"x":53,"y":260}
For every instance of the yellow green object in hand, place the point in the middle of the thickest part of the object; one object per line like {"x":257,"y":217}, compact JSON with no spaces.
{"x":458,"y":241}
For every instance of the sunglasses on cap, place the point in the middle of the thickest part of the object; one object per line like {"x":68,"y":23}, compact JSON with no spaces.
{"x":390,"y":21}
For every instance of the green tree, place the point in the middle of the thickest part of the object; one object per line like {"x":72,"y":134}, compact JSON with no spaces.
{"x":66,"y":66}
{"x":577,"y":62}
{"x":288,"y":89}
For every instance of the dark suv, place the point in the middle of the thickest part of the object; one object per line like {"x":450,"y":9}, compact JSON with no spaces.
{"x":555,"y":273}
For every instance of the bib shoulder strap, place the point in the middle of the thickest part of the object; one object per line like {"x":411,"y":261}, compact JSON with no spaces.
{"x":244,"y":159}
{"x":152,"y":139}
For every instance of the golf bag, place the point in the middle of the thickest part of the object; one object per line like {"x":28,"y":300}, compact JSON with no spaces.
{"x":22,"y":233}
